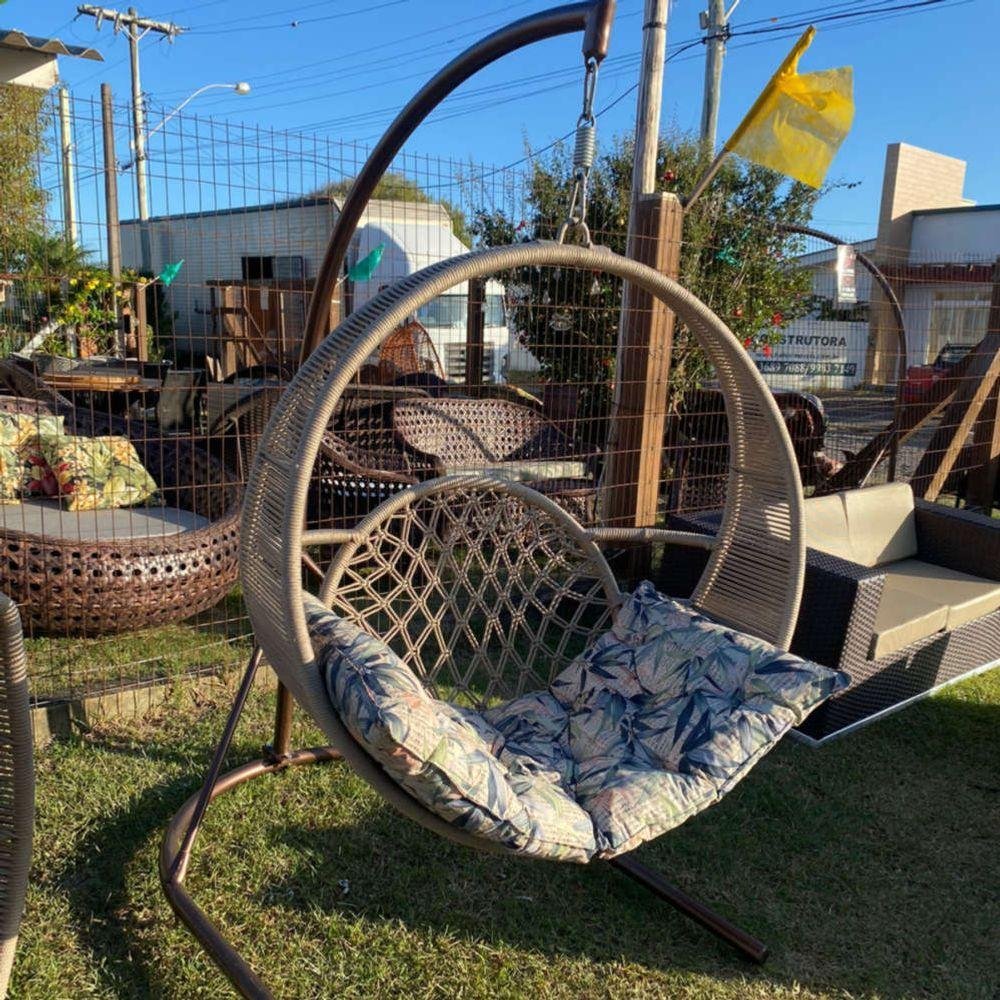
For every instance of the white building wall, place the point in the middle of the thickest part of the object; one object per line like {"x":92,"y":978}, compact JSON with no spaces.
{"x":955,"y":237}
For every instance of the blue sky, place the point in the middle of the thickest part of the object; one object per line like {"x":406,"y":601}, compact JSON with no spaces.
{"x":929,"y":78}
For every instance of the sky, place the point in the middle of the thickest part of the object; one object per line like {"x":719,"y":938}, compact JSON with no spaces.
{"x":341,"y":68}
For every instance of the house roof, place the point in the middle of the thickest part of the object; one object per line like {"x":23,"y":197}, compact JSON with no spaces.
{"x":995,"y":207}
{"x":11,"y":38}
{"x":383,"y":209}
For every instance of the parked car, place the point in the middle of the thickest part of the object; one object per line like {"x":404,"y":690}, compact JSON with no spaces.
{"x":920,"y":379}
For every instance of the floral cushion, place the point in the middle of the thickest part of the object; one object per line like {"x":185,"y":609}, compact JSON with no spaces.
{"x":448,"y":758}
{"x":19,"y":434}
{"x":95,"y":473}
{"x":660,"y":717}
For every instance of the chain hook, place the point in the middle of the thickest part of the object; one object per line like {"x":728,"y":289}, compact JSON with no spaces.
{"x":584,"y":152}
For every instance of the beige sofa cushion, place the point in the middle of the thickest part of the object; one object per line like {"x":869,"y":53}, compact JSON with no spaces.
{"x":904,"y":617}
{"x":826,"y":526}
{"x":871,"y":526}
{"x":967,"y":597}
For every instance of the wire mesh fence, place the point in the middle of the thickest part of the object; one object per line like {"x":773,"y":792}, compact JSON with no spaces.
{"x":145,"y":347}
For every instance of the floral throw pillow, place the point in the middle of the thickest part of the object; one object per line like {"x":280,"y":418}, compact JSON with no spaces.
{"x":97,"y":473}
{"x":22,"y":469}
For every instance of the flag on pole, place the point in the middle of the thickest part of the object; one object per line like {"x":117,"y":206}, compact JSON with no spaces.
{"x":368,"y":265}
{"x":170,"y":272}
{"x":799,"y":120}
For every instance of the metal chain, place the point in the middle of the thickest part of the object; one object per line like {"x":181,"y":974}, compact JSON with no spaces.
{"x":584,"y":151}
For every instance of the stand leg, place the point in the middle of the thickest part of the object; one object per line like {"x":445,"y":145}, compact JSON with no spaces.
{"x":278,"y":751}
{"x":743,"y":942}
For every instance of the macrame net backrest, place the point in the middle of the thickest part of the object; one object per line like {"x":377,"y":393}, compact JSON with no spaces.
{"x":485,"y":589}
{"x":753,"y":579}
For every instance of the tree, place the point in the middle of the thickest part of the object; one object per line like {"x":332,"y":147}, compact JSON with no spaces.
{"x":734,"y":257}
{"x":22,"y":202}
{"x":396,"y":187}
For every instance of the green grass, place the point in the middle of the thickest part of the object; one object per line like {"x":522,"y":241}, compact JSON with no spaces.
{"x":871,"y":867}
{"x":71,"y":667}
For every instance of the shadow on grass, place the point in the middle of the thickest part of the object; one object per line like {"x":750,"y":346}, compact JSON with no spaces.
{"x":866,"y":866}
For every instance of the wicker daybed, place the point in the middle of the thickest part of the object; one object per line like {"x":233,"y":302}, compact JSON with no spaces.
{"x":84,"y":575}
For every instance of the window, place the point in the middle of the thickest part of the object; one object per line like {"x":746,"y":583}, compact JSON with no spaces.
{"x":494,"y":311}
{"x":958,"y":317}
{"x":444,"y":311}
{"x":285,"y":267}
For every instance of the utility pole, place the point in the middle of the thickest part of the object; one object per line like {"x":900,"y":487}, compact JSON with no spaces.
{"x":715,"y":22}
{"x":137,"y":28}
{"x":647,"y":111}
{"x":68,"y":178}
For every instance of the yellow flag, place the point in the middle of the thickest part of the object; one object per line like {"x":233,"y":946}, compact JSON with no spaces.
{"x":799,"y":121}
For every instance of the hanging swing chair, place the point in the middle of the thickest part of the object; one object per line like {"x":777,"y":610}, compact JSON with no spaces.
{"x":469,"y":653}
{"x":465,"y":646}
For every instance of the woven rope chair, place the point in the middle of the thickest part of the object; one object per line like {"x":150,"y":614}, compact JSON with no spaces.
{"x":421,"y":569}
{"x":17,"y":784}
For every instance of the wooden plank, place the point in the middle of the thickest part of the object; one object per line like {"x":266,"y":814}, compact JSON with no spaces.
{"x":959,"y":418}
{"x":638,"y":420}
{"x":475,"y":326}
{"x":141,"y":323}
{"x":983,"y":478}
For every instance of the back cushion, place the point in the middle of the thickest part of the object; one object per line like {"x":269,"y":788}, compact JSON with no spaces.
{"x":826,"y":526}
{"x":881,"y":523}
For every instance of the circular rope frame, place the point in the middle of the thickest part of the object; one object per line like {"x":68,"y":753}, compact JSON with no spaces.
{"x":753,"y":579}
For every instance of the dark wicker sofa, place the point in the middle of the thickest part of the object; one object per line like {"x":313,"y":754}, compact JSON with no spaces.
{"x":844,"y":606}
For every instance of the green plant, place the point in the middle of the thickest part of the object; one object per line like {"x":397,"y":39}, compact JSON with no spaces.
{"x":734,"y":257}
{"x":22,"y":200}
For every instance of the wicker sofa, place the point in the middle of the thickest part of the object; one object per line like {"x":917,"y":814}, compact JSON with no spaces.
{"x":903,"y":595}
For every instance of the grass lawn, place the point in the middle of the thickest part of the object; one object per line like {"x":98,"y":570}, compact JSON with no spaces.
{"x":871,"y":867}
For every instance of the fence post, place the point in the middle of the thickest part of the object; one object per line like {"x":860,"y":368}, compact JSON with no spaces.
{"x":111,"y":184}
{"x":475,"y":325}
{"x":638,"y":416}
{"x":983,"y":478}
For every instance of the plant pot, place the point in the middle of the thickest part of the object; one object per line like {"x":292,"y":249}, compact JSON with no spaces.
{"x":86,"y":347}
{"x":44,"y":363}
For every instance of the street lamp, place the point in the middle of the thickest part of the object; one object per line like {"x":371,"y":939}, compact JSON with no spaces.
{"x":240,"y":88}
{"x":140,"y":158}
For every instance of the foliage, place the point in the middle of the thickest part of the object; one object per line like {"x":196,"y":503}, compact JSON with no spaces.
{"x":396,"y":187}
{"x":734,"y":258}
{"x":90,"y":305}
{"x":22,"y":202}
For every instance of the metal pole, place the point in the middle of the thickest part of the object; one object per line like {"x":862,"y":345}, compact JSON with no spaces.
{"x":68,"y":172}
{"x":717,"y":27}
{"x":139,"y":142}
{"x":111,"y":183}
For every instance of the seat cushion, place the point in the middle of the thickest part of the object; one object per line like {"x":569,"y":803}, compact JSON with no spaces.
{"x":966,"y":597}
{"x":658,"y":719}
{"x":38,"y":516}
{"x":872,"y":526}
{"x":904,"y":617}
{"x":451,"y":759}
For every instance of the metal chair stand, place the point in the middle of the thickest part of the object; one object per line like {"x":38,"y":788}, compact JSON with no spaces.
{"x":178,"y":844}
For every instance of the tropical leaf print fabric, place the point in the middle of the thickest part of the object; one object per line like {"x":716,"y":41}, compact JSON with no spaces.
{"x":97,"y":473}
{"x":20,"y":463}
{"x":660,"y":717}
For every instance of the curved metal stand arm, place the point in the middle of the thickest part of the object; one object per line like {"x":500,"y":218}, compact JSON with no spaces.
{"x":592,"y":17}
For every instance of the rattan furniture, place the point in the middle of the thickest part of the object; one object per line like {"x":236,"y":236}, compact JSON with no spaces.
{"x":76,"y":585}
{"x":544,"y":598}
{"x":17,"y":784}
{"x":456,"y":435}
{"x":887,"y":624}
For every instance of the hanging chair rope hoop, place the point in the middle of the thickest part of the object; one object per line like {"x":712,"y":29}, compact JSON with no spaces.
{"x":753,"y":578}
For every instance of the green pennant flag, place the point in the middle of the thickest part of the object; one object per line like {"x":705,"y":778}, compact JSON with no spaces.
{"x":368,"y":265}
{"x":170,"y":272}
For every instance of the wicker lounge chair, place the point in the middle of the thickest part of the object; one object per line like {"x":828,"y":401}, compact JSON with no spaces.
{"x":458,"y":435}
{"x":483,"y":589}
{"x":17,"y":784}
{"x":93,"y":574}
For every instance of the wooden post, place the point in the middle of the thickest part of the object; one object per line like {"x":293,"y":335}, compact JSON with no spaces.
{"x":983,"y":478}
{"x":959,"y":418}
{"x":475,"y":326}
{"x":111,"y":184}
{"x":141,"y":320}
{"x":635,"y":447}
